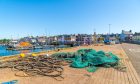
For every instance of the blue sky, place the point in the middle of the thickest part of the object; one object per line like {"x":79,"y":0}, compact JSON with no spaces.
{"x":20,"y":18}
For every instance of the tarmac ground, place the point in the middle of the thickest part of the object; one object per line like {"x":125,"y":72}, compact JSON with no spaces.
{"x":133,"y":52}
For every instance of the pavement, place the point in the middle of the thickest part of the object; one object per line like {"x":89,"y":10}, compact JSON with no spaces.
{"x":133,"y":52}
{"x":81,"y":76}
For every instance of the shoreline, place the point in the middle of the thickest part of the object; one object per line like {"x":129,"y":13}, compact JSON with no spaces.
{"x":13,"y":53}
{"x":49,"y":52}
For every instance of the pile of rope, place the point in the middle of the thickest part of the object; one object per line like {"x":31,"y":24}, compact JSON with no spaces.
{"x":36,"y":65}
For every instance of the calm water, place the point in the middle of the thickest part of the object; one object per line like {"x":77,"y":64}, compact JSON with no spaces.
{"x":4,"y":52}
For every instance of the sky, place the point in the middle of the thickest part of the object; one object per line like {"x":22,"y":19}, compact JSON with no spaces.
{"x":19,"y":18}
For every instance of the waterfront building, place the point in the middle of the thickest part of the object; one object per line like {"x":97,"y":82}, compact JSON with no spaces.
{"x":84,"y":39}
{"x":136,"y":37}
{"x":126,"y":35}
{"x":13,"y":43}
{"x":41,"y":40}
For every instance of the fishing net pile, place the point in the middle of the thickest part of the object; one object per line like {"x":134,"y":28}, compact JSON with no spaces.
{"x":90,"y":59}
{"x":36,"y":65}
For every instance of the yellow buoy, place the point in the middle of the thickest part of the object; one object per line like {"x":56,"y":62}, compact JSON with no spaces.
{"x":34,"y":54}
{"x":22,"y":55}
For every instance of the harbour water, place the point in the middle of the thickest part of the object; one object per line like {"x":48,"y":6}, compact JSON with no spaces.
{"x":4,"y":52}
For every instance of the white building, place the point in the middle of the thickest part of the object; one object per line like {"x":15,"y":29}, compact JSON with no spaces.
{"x":126,"y":35}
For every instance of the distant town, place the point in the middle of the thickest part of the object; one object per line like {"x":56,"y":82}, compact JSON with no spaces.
{"x":71,"y":40}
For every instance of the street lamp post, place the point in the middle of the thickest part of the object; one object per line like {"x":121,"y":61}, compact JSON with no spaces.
{"x":109,"y":28}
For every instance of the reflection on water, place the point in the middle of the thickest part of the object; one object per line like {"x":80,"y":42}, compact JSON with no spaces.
{"x":25,"y":51}
{"x":4,"y":52}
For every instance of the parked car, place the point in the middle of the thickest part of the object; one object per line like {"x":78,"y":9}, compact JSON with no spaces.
{"x":117,"y":42}
{"x":107,"y":41}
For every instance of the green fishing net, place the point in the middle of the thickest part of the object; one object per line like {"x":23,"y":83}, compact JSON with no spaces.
{"x":89,"y":58}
